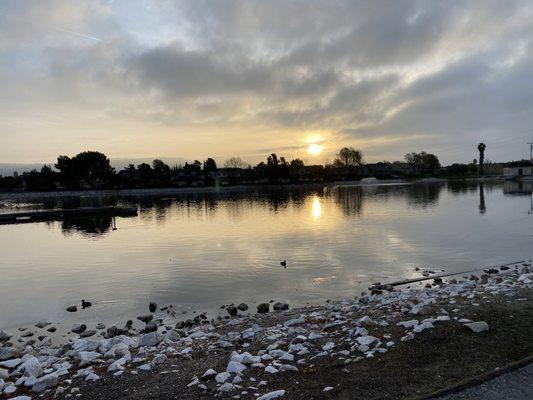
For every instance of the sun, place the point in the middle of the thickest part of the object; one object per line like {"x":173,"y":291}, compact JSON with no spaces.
{"x":314,"y":149}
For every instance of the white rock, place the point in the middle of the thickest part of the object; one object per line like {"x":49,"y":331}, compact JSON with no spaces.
{"x":222,"y":377}
{"x":271,"y":370}
{"x":423,"y":326}
{"x":408,"y":324}
{"x":10,"y":388}
{"x":478,"y":326}
{"x":287,"y":367}
{"x":327,"y":389}
{"x":150,"y":339}
{"x":314,"y":336}
{"x":367,"y":340}
{"x":145,"y":367}
{"x":31,"y":367}
{"x":226,"y":387}
{"x":45,"y":382}
{"x":92,"y":377}
{"x":272,"y":395}
{"x":159,"y":359}
{"x":295,"y":321}
{"x":235,"y":367}
{"x":328,"y":346}
{"x":87,"y":356}
{"x":210,"y":372}
{"x":13,"y":363}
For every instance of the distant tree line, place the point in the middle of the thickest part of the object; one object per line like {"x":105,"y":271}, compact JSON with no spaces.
{"x":91,"y":170}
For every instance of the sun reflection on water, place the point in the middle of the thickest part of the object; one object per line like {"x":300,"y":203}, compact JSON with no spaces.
{"x":316,"y":207}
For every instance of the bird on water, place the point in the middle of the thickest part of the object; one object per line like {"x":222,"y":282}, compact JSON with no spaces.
{"x":284,"y":263}
{"x":86,"y":304}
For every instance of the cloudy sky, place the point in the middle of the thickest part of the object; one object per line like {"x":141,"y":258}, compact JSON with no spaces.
{"x":192,"y":79}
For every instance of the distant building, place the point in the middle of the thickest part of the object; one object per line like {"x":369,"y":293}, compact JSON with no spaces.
{"x":518,"y":168}
{"x":493,"y":168}
{"x":229,"y":176}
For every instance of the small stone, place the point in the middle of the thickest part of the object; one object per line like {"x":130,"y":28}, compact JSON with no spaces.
{"x":150,"y":327}
{"x":72,"y":308}
{"x":89,"y":333}
{"x":478,"y":326}
{"x":45,"y":382}
{"x":243,"y":306}
{"x":281,"y":306}
{"x":150,"y":339}
{"x":42,"y":324}
{"x":232,"y":310}
{"x":272,"y":395}
{"x":152,"y":307}
{"x":4,"y":336}
{"x":78,"y":328}
{"x":263,"y":308}
{"x":52,"y":329}
{"x":145,"y":318}
{"x":209,"y":373}
{"x":100,"y":326}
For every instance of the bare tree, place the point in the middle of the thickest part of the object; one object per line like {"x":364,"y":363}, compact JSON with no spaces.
{"x":235,"y":162}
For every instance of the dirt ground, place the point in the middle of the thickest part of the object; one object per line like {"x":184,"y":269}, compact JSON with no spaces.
{"x":436,"y":358}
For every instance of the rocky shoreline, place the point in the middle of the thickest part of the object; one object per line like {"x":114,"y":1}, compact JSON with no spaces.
{"x":258,"y":355}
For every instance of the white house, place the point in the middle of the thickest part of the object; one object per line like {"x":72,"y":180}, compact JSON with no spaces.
{"x":518,"y":168}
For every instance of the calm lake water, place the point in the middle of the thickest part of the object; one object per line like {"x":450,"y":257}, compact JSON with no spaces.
{"x":200,"y":251}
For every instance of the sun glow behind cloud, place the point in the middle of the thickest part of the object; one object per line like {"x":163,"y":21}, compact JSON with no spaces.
{"x":314,"y":149}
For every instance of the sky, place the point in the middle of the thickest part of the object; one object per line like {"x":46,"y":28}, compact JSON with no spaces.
{"x":302,"y":78}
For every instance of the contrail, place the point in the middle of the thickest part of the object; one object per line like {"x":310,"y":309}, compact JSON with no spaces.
{"x":82,"y":35}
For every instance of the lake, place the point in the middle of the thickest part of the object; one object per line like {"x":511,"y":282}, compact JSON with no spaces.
{"x":199,"y":251}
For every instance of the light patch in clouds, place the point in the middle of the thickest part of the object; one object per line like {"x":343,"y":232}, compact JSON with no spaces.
{"x":202,"y":78}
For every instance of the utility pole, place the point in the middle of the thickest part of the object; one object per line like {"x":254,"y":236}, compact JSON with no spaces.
{"x":530,"y":151}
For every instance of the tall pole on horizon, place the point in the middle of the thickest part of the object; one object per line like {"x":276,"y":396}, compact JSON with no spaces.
{"x":530,"y":151}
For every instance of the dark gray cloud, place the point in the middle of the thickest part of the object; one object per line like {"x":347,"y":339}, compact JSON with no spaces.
{"x":390,"y":76}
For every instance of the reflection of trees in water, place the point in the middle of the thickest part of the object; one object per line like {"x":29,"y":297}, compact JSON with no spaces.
{"x":482,"y":206}
{"x":349,"y":199}
{"x":423,"y":195}
{"x":462,"y":187}
{"x":87,"y":226}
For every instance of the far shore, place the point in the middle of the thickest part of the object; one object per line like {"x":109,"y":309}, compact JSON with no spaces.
{"x":202,"y":190}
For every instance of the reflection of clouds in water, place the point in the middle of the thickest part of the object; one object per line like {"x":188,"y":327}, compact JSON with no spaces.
{"x":227,"y":248}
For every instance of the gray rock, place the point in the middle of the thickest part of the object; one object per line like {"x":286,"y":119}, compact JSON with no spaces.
{"x":232,"y":310}
{"x":478,"y":326}
{"x":145,"y":318}
{"x":111,"y":332}
{"x":263,"y":308}
{"x":100,"y":326}
{"x":243,"y":306}
{"x":152,"y":307}
{"x":150,"y":327}
{"x":78,"y":328}
{"x":281,"y":306}
{"x":4,"y":336}
{"x":89,"y":333}
{"x":150,"y":339}
{"x":45,"y":382}
{"x":42,"y":324}
{"x":31,"y":367}
{"x":27,"y":334}
{"x":52,"y":329}
{"x":72,"y":308}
